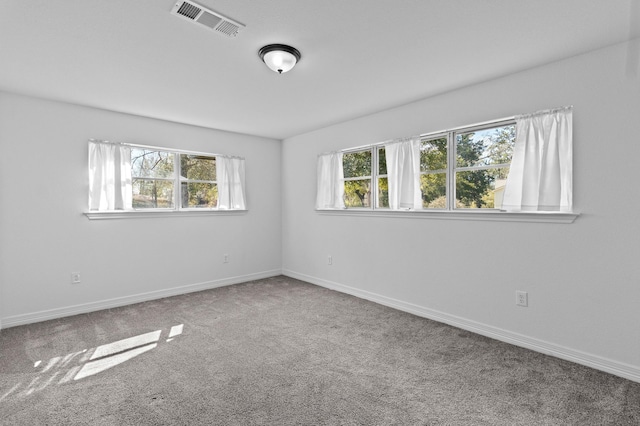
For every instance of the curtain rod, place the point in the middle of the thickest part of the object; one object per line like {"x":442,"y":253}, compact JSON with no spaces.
{"x":453,"y":129}
{"x":160,"y":148}
{"x":422,"y":135}
{"x":546,"y":111}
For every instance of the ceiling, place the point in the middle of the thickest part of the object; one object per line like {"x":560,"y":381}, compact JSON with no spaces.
{"x":358,"y":56}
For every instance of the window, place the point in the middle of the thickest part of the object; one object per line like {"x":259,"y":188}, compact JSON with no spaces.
{"x":482,"y":163}
{"x":357,"y":178}
{"x":143,"y":178}
{"x":383,"y":179}
{"x":483,"y":157}
{"x":433,"y":172}
{"x":154,"y":179}
{"x":517,"y":165}
{"x":198,"y":185}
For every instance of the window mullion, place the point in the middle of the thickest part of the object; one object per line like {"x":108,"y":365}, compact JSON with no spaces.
{"x":451,"y":171}
{"x":200,"y":181}
{"x":177,"y":187}
{"x":374,"y":178}
{"x":489,"y":167}
{"x":357,"y":178}
{"x":153,"y":178}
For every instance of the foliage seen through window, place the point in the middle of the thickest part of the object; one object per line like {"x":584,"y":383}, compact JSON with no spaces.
{"x":482,"y":164}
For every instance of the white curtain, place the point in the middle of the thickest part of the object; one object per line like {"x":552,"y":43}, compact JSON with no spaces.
{"x":403,"y":171}
{"x":330,"y":189}
{"x":109,"y":176}
{"x":540,"y":176}
{"x":230,"y":178}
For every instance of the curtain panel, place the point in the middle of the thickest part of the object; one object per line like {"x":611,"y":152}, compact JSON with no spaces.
{"x":330,"y":185}
{"x":541,"y":172}
{"x":403,"y":173}
{"x":231,"y":183}
{"x":109,"y":176}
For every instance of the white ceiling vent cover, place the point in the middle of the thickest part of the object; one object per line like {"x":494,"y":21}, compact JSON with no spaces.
{"x":210,"y":19}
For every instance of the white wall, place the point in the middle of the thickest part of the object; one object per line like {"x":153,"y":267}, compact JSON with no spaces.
{"x":583,"y":279}
{"x":44,"y":235}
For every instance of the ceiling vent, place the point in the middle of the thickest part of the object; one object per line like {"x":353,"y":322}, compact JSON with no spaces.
{"x":210,"y":19}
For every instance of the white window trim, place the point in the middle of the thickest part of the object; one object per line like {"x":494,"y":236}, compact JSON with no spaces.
{"x":450,"y":213}
{"x":467,"y":214}
{"x":164,"y":213}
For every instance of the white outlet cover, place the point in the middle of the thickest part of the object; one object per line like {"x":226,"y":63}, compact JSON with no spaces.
{"x":522,"y":298}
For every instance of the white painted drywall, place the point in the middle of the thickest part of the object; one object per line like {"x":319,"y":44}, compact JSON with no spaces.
{"x":583,"y":279}
{"x":45,"y":236}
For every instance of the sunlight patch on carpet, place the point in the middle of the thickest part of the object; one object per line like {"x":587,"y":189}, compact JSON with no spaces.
{"x":88,"y":362}
{"x":103,"y":364}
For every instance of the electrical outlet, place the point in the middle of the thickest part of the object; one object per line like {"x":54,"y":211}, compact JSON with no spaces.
{"x":75,"y":278}
{"x":226,"y":258}
{"x":329,"y":260}
{"x":522,"y":298}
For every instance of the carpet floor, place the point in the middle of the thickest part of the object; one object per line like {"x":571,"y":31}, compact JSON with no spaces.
{"x":280,"y":351}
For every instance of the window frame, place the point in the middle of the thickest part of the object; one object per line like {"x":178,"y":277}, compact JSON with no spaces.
{"x":452,"y":145}
{"x":182,"y":180}
{"x":448,"y":179}
{"x":171,"y":179}
{"x":376,"y":157}
{"x":372,"y":182}
{"x":176,"y":179}
{"x":177,"y":210}
{"x":450,"y":212}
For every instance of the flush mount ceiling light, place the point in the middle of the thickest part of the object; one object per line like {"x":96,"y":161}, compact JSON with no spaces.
{"x":279,"y":57}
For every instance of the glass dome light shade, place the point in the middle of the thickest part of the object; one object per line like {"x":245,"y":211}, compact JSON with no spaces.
{"x":279,"y":58}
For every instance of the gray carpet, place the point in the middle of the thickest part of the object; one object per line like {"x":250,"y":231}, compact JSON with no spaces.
{"x":283,"y":352}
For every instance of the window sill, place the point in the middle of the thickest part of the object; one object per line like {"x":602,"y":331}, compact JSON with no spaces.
{"x":139,"y":214}
{"x":480,"y":215}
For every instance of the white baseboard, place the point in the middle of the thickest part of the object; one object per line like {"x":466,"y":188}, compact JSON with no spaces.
{"x":620,"y":369}
{"x":128,"y":300}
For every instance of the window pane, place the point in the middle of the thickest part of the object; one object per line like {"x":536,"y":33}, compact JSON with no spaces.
{"x":485,"y":147}
{"x":152,"y":194}
{"x":151,"y":164}
{"x":480,"y":188}
{"x":357,"y":163}
{"x":433,"y":154}
{"x":382,"y":161}
{"x":197,"y":167}
{"x":434,"y":190}
{"x":357,"y":193}
{"x":199,"y":194}
{"x":383,"y":192}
